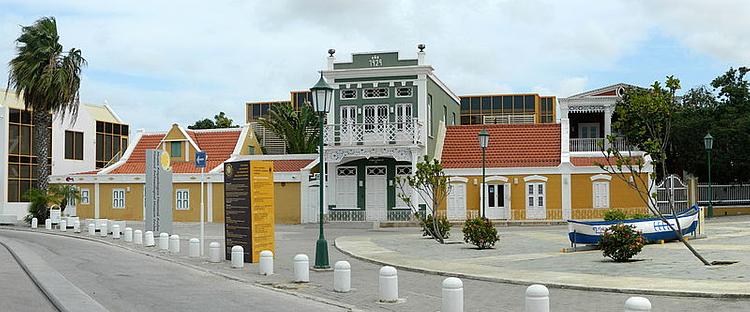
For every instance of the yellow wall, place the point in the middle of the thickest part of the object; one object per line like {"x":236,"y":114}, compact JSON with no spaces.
{"x":218,"y":202}
{"x":193,"y":214}
{"x":287,"y":201}
{"x":251,"y":139}
{"x":718,"y":211}
{"x":86,"y":211}
{"x":518,"y":195}
{"x":621,"y":196}
{"x":133,"y":202}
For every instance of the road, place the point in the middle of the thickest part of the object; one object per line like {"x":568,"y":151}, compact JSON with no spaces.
{"x":125,"y":281}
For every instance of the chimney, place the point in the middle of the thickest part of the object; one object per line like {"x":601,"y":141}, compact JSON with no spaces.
{"x":420,"y":54}
{"x":331,"y":58}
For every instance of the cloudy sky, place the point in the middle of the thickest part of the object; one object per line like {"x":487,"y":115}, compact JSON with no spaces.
{"x":158,"y":62}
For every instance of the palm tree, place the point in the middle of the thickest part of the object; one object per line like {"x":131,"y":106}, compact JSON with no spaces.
{"x":296,"y":128}
{"x":48,"y":79}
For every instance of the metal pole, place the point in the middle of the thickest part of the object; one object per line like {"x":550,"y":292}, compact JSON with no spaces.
{"x":710,"y":195}
{"x":202,"y":213}
{"x":321,"y":250}
{"x":484,"y":187}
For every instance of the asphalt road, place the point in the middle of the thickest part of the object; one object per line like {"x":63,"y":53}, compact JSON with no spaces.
{"x":124,"y":281}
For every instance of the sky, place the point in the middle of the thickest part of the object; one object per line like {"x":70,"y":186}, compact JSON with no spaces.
{"x":160,"y":62}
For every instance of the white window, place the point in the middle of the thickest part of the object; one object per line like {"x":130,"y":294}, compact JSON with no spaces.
{"x":403,"y":115}
{"x":535,"y":195}
{"x":85,"y":196}
{"x":118,"y":198}
{"x":403,"y":92}
{"x":375,"y":93}
{"x":346,"y":187}
{"x":348,"y":94}
{"x":429,"y":115}
{"x":182,"y":199}
{"x":376,"y":116}
{"x":601,"y":194}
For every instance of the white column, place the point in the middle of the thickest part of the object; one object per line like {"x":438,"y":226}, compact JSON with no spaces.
{"x":97,"y":196}
{"x":567,"y":211}
{"x":607,"y":121}
{"x":564,"y":137}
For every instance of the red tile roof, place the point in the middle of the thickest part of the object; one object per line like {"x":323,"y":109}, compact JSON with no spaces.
{"x":290,"y":165}
{"x":527,"y":145}
{"x":136,"y":163}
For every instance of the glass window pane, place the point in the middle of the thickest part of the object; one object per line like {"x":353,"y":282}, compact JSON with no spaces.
{"x":25,"y":141}
{"x":486,"y":105}
{"x":13,"y":172}
{"x":13,"y":141}
{"x":24,"y":187}
{"x":491,"y":195}
{"x":79,"y":146}
{"x":540,"y":189}
{"x":540,"y":201}
{"x":15,"y":115}
{"x":176,"y":149}
{"x":530,"y":104}
{"x":497,"y":104}
{"x":25,"y":119}
{"x":531,"y":189}
{"x":475,"y":109}
{"x":518,"y":104}
{"x":507,"y":105}
{"x":69,"y":142}
{"x":465,"y":105}
{"x":107,"y":147}
{"x":108,"y":127}
{"x":500,"y":195}
{"x":13,"y":192}
{"x":125,"y":130}
{"x":100,"y":147}
{"x":531,"y":201}
{"x":99,"y":126}
{"x":115,"y":146}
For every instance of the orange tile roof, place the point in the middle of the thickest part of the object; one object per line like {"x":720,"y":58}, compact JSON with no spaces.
{"x":527,"y":145}
{"x":290,"y":165}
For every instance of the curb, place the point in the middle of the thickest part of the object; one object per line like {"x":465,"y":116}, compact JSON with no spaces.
{"x":671,"y":293}
{"x":350,"y":308}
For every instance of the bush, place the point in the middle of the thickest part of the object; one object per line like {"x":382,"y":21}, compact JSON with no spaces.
{"x":614,"y":215}
{"x":428,"y":228}
{"x":480,"y":232}
{"x":39,"y":201}
{"x":637,"y":216}
{"x":621,"y":242}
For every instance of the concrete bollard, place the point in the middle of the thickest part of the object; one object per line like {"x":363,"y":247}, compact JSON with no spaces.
{"x":301,"y":268}
{"x":453,"y":295}
{"x":238,"y":257}
{"x":388,"y":284}
{"x":214,"y":252}
{"x":128,"y":235}
{"x":164,"y":241}
{"x":148,"y":239}
{"x":342,"y":277}
{"x":637,"y":304}
{"x":537,"y":298}
{"x":47,"y":224}
{"x":34,"y":223}
{"x":174,"y":244}
{"x":195,"y":248}
{"x":92,"y":229}
{"x":266,"y":263}
{"x":115,"y":231}
{"x":103,"y":229}
{"x":63,"y":226}
{"x":138,"y":237}
{"x":76,"y":226}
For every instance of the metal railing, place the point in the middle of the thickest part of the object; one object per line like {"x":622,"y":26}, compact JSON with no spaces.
{"x":596,"y":144}
{"x":725,"y":194}
{"x":346,"y":215}
{"x":508,"y":119}
{"x":391,"y":133}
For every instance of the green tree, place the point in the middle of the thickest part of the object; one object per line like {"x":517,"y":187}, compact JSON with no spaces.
{"x":432,"y":186}
{"x":220,"y":121}
{"x":49,"y":79}
{"x":297,"y":128}
{"x":645,"y":120}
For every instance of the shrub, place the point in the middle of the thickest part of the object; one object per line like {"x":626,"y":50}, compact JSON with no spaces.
{"x":637,"y":216}
{"x":621,"y":242}
{"x":480,"y":232}
{"x":614,"y":215}
{"x":428,"y":228}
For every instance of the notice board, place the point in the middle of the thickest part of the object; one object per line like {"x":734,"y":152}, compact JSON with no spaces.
{"x":249,"y":208}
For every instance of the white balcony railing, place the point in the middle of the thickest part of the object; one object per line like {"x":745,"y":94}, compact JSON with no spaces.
{"x":391,"y":133}
{"x":596,"y":144}
{"x":508,"y":119}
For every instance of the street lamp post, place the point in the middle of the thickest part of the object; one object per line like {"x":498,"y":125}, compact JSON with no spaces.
{"x":484,"y":141}
{"x":322,"y":96}
{"x":708,"y":142}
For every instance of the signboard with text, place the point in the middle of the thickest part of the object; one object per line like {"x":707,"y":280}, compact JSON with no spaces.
{"x":157,"y":192}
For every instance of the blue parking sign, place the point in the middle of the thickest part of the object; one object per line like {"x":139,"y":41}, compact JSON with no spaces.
{"x":200,"y":159}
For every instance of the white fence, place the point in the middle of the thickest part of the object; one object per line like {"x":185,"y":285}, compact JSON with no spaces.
{"x":673,"y":186}
{"x":357,"y":134}
{"x":596,"y":144}
{"x":725,"y":194}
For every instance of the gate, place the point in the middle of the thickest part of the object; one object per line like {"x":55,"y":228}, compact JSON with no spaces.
{"x":672,"y":185}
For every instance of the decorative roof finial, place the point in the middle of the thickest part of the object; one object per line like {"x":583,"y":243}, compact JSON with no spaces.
{"x":331,"y":52}
{"x":421,"y":47}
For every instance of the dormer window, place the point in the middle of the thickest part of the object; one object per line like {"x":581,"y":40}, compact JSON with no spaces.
{"x":175,"y":149}
{"x":348,"y":94}
{"x":403,"y":92}
{"x":375,"y":93}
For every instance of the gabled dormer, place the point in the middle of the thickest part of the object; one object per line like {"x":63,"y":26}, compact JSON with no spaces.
{"x":179,"y":144}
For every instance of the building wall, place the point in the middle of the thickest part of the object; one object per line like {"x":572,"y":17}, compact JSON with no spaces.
{"x":218,"y":202}
{"x":87,"y":126}
{"x":440,"y":99}
{"x":133,"y":201}
{"x":192,"y":214}
{"x":287,"y":202}
{"x":86,"y":211}
{"x":621,"y":196}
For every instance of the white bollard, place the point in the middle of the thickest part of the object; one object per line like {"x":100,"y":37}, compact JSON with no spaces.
{"x":128,"y":235}
{"x":195,"y":248}
{"x":115,"y":231}
{"x":453,"y":295}
{"x":388,"y":284}
{"x":34,"y":223}
{"x":537,"y":298}
{"x":76,"y":226}
{"x":214,"y":252}
{"x":92,"y":229}
{"x":103,"y":229}
{"x":138,"y":237}
{"x":164,"y":241}
{"x":342,"y":276}
{"x":63,"y":226}
{"x":266,"y":263}
{"x":148,"y":239}
{"x":238,"y":257}
{"x":301,"y":268}
{"x":637,"y":304}
{"x":174,"y":244}
{"x":48,"y":224}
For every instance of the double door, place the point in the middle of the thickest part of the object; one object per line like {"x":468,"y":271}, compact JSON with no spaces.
{"x":497,"y":201}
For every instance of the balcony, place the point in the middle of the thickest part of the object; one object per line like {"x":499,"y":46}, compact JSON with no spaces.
{"x":374,"y":134}
{"x":596,"y":144}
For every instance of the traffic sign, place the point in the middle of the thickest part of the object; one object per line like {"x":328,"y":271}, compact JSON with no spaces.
{"x":200,"y":159}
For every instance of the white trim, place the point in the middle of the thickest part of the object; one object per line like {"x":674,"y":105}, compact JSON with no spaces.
{"x":210,"y":198}
{"x":98,"y":196}
{"x":114,"y":200}
{"x":567,"y":211}
{"x":535,"y":178}
{"x":274,"y":157}
{"x":112,"y":112}
{"x":411,"y":92}
{"x":184,"y":200}
{"x":87,"y":197}
{"x":356,"y":94}
{"x":188,"y":138}
{"x":243,"y":136}
{"x":458,"y":180}
{"x":496,"y":178}
{"x":601,"y":177}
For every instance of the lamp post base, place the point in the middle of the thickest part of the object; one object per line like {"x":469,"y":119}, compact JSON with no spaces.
{"x":321,"y":255}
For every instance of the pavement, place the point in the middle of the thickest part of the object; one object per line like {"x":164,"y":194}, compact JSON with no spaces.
{"x":419,"y":291}
{"x":21,"y":294}
{"x":533,"y":255}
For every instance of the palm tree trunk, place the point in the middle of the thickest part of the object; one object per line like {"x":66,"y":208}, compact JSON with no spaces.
{"x":41,"y":137}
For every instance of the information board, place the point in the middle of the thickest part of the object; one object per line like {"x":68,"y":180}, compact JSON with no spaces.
{"x":248,"y":208}
{"x":158,"y":192}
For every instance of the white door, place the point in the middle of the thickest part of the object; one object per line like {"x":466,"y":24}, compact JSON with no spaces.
{"x":403,"y":122}
{"x":375,"y":193}
{"x":375,"y":122}
{"x":348,"y":120}
{"x":457,"y":202}
{"x":588,"y":130}
{"x":312,"y":212}
{"x":346,"y":188}
{"x":498,"y":201}
{"x":536,"y":202}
